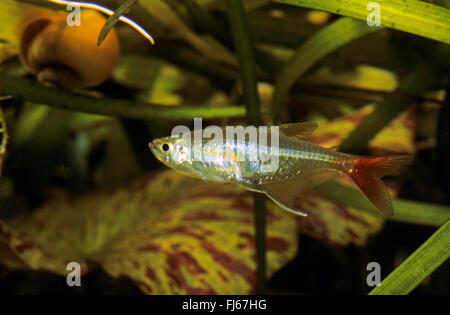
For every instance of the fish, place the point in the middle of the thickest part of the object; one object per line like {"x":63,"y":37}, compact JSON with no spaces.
{"x":300,"y":166}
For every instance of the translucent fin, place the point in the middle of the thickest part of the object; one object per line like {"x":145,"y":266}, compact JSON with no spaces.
{"x":250,"y":187}
{"x":298,"y":129}
{"x":284,"y":193}
{"x":367,"y":173}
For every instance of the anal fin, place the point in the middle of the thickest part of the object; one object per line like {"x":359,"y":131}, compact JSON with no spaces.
{"x":284,"y":193}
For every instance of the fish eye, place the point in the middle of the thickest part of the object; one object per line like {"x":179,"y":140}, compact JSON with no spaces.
{"x":165,"y":147}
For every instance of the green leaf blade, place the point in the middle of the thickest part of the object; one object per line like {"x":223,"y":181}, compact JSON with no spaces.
{"x":418,"y":266}
{"x":329,"y":39}
{"x":422,"y":213}
{"x":405,"y":211}
{"x":28,"y":90}
{"x":114,"y":19}
{"x":412,"y":16}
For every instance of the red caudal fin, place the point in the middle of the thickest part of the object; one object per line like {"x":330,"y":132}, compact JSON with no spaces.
{"x":367,"y":173}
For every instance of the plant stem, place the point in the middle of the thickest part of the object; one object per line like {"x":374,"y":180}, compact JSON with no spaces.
{"x":29,"y":90}
{"x":243,"y":45}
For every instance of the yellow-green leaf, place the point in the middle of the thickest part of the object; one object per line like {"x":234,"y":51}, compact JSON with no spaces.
{"x":412,"y":16}
{"x":429,"y":256}
{"x":397,"y":137}
{"x":169,"y":233}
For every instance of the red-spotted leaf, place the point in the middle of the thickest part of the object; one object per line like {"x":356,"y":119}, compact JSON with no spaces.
{"x":169,"y":233}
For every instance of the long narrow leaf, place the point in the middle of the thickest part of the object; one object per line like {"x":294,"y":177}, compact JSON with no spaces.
{"x":418,"y":266}
{"x":404,"y":210}
{"x":412,"y":16}
{"x":161,"y":11}
{"x":114,"y":19}
{"x":29,"y":90}
{"x":326,"y":41}
{"x":416,"y":82}
{"x":407,"y":211}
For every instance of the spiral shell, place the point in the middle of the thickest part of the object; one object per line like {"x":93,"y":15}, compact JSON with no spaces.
{"x":67,"y":55}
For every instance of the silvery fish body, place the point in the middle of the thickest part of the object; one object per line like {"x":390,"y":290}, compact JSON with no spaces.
{"x":250,"y":164}
{"x":274,"y":161}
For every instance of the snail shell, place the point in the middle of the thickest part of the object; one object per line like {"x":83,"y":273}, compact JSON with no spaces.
{"x":67,"y":55}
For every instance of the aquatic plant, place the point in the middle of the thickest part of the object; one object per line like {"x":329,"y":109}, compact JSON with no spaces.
{"x":230,"y":62}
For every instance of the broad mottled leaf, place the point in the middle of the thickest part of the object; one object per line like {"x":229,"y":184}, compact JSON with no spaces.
{"x":397,"y":137}
{"x":169,"y":233}
{"x":335,"y":223}
{"x":360,"y":76}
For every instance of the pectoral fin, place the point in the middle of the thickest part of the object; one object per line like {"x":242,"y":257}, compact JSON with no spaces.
{"x":285,"y":192}
{"x":302,"y":129}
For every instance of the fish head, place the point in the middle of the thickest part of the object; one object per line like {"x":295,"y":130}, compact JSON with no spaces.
{"x":174,"y":152}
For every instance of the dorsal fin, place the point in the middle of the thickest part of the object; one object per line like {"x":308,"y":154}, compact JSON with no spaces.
{"x":302,"y":129}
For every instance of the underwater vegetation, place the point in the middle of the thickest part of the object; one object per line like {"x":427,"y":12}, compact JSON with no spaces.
{"x":84,"y":90}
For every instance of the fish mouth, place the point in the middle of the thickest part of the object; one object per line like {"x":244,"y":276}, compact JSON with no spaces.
{"x":153,"y":148}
